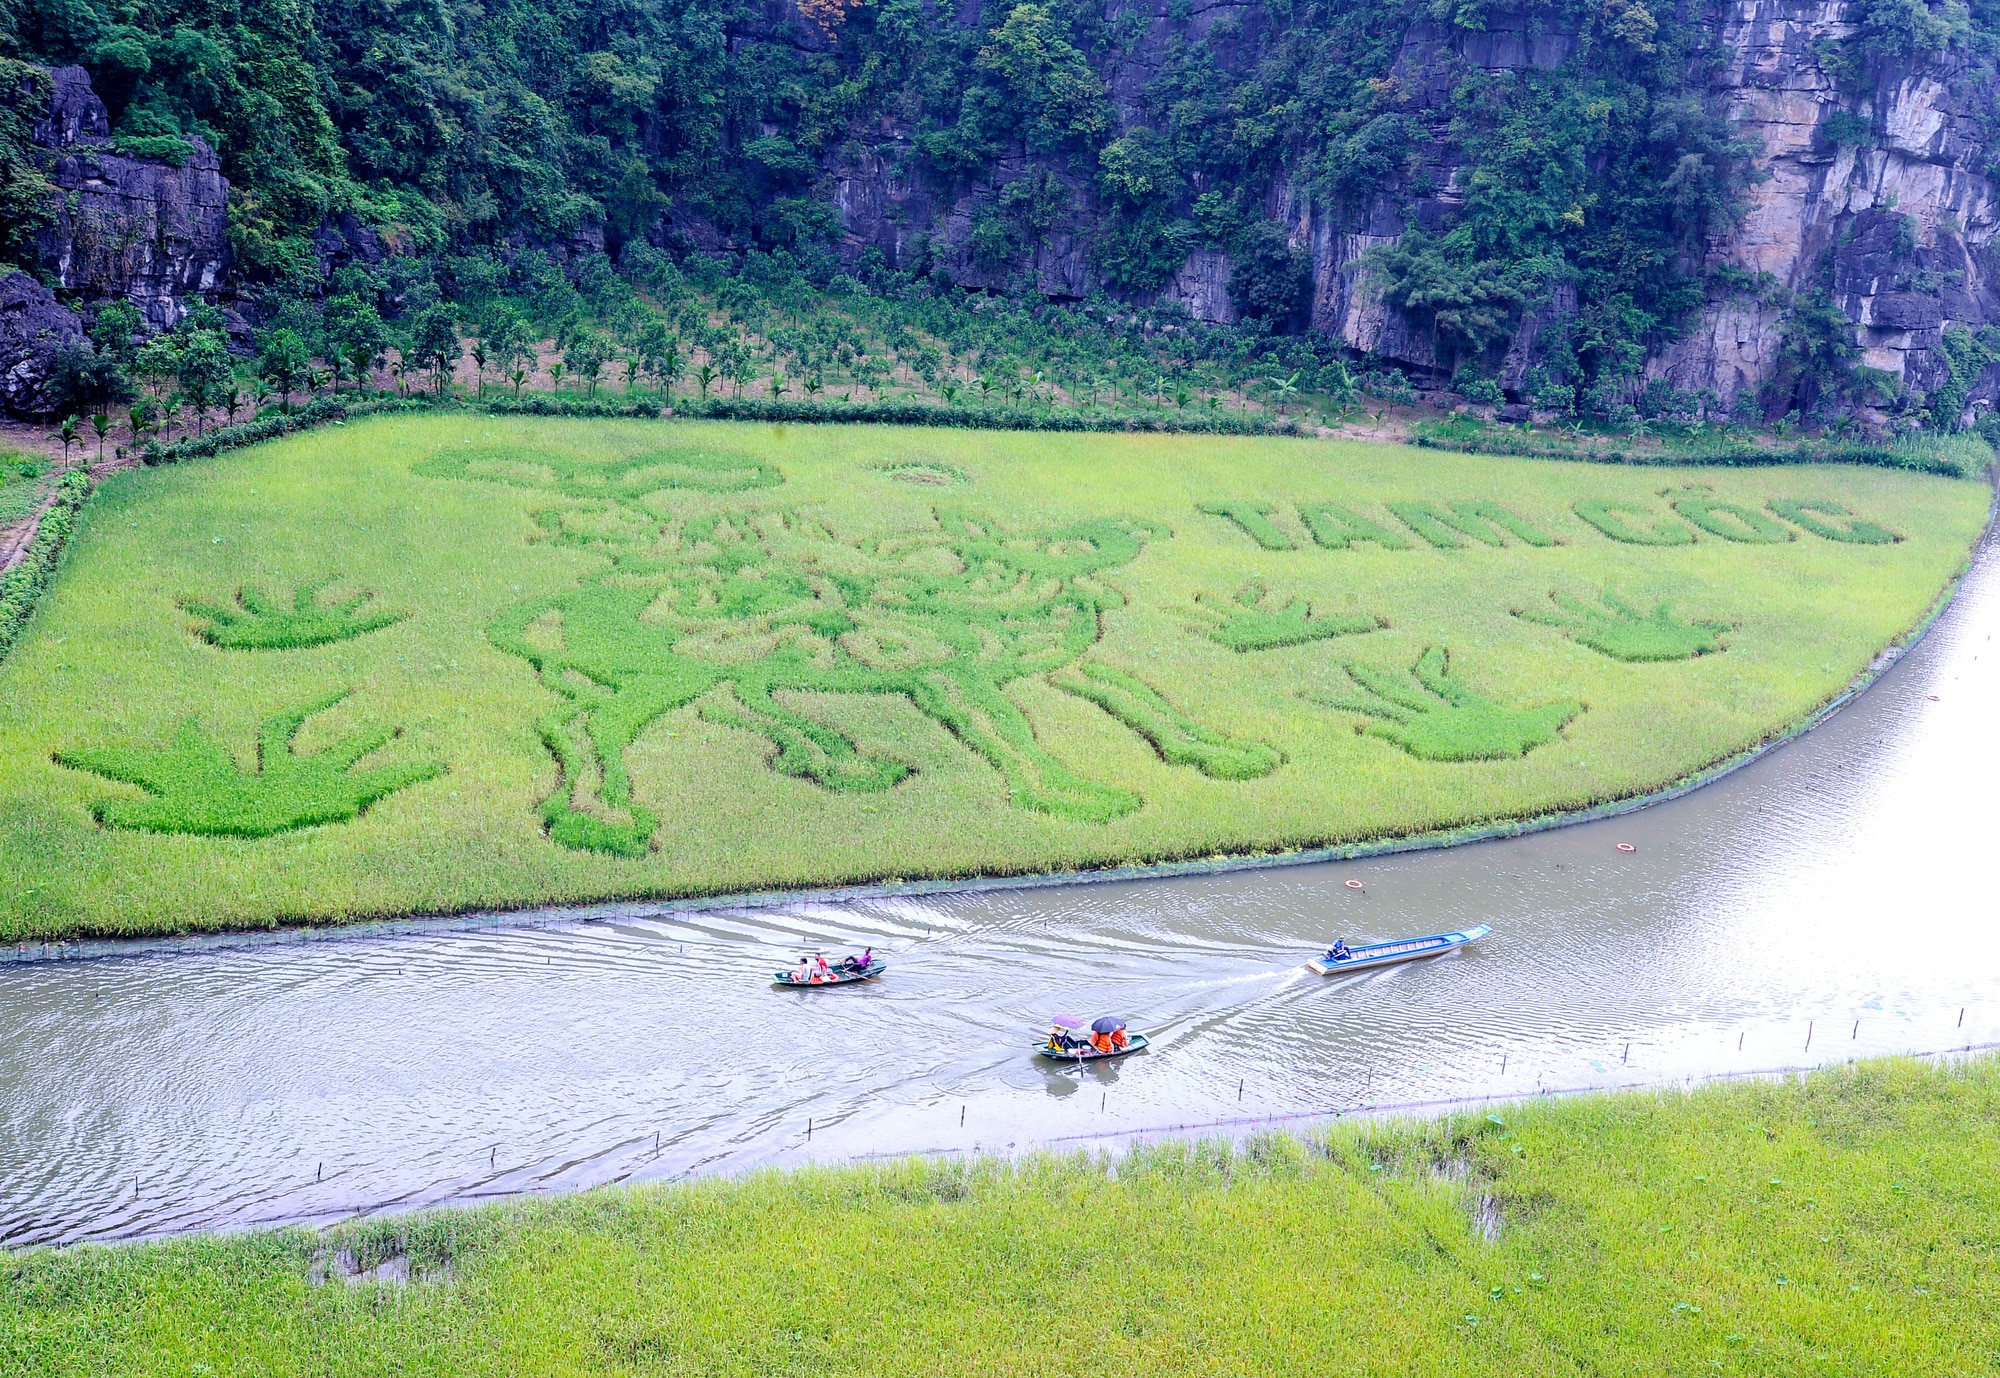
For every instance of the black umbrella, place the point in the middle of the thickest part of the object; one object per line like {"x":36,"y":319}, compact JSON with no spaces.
{"x":1108,"y":1024}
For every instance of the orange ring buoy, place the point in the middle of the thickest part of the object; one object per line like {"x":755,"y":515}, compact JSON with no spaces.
{"x":1354,"y":885}
{"x":1627,"y":847}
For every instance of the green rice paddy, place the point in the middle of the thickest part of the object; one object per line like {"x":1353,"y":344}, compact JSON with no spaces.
{"x":440,"y":663}
{"x":1841,"y":1223}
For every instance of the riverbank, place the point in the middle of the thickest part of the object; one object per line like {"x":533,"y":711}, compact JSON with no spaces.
{"x":549,"y":662}
{"x":1832,"y":1222}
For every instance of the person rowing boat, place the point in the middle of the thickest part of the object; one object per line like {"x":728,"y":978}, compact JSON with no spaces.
{"x":1338,"y":952}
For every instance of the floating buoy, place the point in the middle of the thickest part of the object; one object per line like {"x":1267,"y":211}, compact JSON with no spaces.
{"x":1627,"y":847}
{"x":1933,"y":698}
{"x":1354,"y":885}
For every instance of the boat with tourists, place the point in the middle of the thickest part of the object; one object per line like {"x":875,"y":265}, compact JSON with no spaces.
{"x":1069,"y":1041}
{"x":1340,"y":959}
{"x":817,"y":971}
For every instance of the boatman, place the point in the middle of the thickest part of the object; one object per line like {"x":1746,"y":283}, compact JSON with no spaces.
{"x":1338,"y":952}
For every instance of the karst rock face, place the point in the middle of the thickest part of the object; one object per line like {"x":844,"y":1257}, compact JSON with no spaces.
{"x":150,"y":232}
{"x":33,"y":326}
{"x":1815,"y":201}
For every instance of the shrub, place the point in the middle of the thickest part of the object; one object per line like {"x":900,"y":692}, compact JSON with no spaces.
{"x":22,"y":587}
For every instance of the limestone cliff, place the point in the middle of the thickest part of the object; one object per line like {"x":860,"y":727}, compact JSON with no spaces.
{"x":1895,"y":218}
{"x":150,"y":232}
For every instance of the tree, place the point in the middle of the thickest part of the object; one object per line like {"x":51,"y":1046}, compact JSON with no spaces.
{"x":115,"y":332}
{"x":1268,"y":280}
{"x":518,"y":377}
{"x":83,"y":379}
{"x":586,"y":356}
{"x":479,"y":357}
{"x":434,"y":342}
{"x":67,"y":434}
{"x":205,"y":370}
{"x":232,"y":402}
{"x":705,"y":377}
{"x":100,"y":425}
{"x":354,"y":326}
{"x":282,"y":359}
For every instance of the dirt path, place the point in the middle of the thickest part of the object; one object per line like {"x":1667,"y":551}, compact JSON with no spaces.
{"x":15,"y":539}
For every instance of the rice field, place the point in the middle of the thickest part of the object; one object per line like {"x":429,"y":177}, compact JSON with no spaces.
{"x":1841,"y":1223}
{"x":440,"y":663}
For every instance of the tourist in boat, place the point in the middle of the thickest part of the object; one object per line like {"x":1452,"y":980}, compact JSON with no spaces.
{"x":821,"y":971}
{"x":1107,"y":1035}
{"x":802,"y":973}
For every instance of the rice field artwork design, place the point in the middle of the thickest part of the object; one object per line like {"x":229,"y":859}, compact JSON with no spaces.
{"x":751,"y":605}
{"x":599,"y":660}
{"x":1614,"y":627}
{"x":1442,"y":718}
{"x":257,"y":622}
{"x":1258,"y":619}
{"x":196,"y":786}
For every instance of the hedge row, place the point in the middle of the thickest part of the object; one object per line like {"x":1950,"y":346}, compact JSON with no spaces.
{"x":270,"y":424}
{"x":1954,"y":456}
{"x":21,"y":588}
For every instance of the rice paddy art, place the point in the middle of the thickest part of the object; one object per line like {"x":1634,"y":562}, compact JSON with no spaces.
{"x":1437,"y":716}
{"x":1615,"y":628}
{"x":1257,"y":619}
{"x":671,"y":658}
{"x":756,"y":606}
{"x":257,"y":622}
{"x":196,"y":786}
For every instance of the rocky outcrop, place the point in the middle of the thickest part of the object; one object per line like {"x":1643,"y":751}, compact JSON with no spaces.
{"x":150,"y":232}
{"x":33,"y":326}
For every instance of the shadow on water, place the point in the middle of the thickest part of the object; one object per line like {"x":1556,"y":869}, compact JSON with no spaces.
{"x":1836,"y":891}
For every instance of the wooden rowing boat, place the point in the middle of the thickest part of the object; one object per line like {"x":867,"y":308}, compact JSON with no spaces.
{"x":1369,"y":955}
{"x":841,"y":976}
{"x":1134,"y":1043}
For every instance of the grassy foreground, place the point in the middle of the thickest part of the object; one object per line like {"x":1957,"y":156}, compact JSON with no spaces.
{"x":1842,"y":1223}
{"x":444,"y":662}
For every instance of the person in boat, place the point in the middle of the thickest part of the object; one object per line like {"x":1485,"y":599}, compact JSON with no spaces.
{"x":821,"y":971}
{"x":861,"y":963}
{"x":802,"y":973}
{"x":1339,"y":951}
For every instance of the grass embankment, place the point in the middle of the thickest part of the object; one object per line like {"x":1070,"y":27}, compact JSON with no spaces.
{"x":558,"y":660}
{"x":1839,"y":1224}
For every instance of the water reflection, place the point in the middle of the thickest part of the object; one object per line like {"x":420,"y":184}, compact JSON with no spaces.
{"x":1833,"y":900}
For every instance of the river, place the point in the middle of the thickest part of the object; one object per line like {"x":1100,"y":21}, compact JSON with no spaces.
{"x":1833,"y":899}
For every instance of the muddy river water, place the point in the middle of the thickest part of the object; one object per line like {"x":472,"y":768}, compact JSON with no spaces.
{"x":1834,"y":899}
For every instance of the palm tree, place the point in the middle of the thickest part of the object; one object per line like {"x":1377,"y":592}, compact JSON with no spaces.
{"x":631,"y":373}
{"x":518,"y":377}
{"x":1284,"y":389}
{"x":479,"y":362}
{"x":170,"y":413}
{"x":260,"y":393}
{"x":949,"y":387}
{"x":101,"y":424}
{"x":814,"y":384}
{"x":336,"y":362}
{"x":555,"y":375}
{"x":706,"y":376}
{"x":67,"y":434}
{"x":780,"y":384}
{"x":1182,"y":396}
{"x":232,"y":403}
